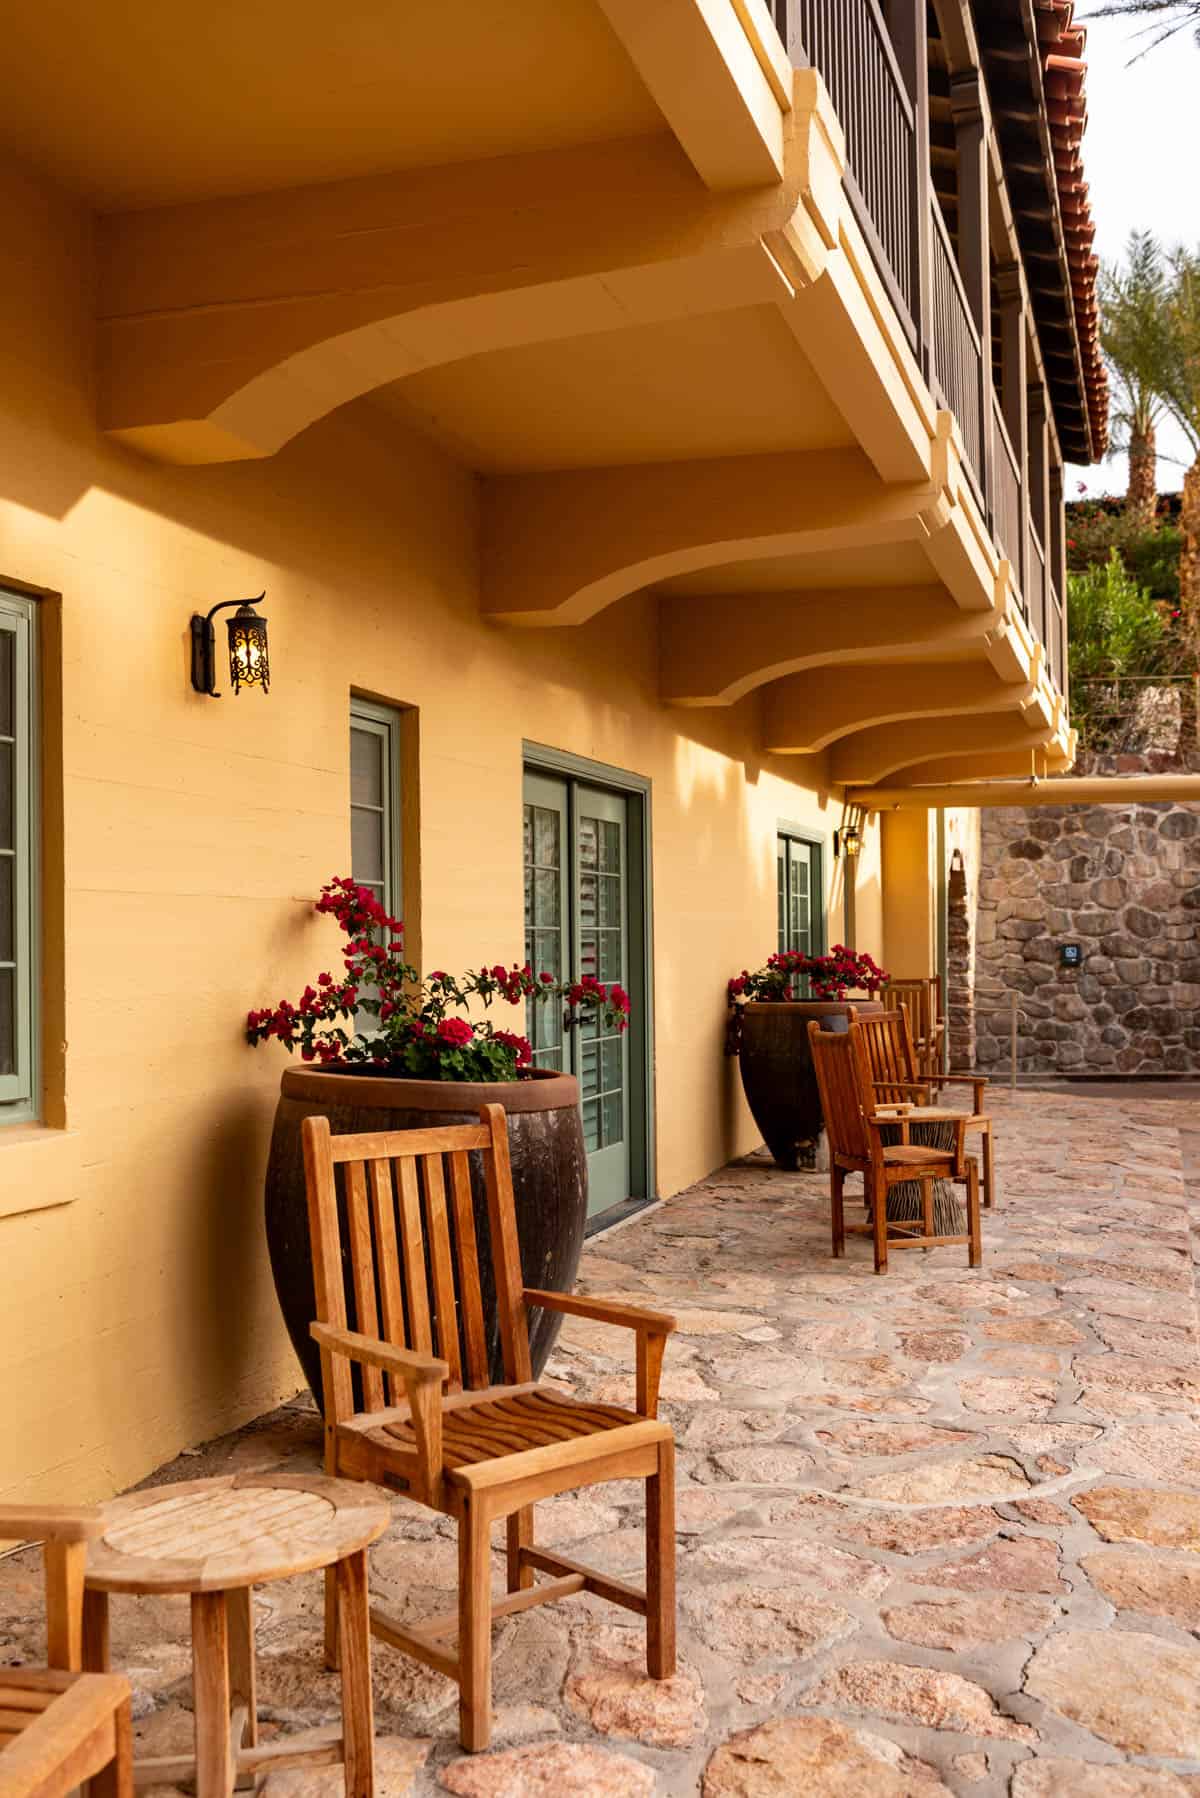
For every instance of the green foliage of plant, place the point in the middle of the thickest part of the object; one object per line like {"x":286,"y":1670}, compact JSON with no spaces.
{"x":1116,"y":626}
{"x":1150,"y":557}
{"x":1136,"y":336}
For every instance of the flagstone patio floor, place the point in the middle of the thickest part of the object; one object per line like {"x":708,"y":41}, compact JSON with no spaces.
{"x":938,"y":1532}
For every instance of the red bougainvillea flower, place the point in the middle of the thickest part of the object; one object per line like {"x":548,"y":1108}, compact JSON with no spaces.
{"x":379,"y":1011}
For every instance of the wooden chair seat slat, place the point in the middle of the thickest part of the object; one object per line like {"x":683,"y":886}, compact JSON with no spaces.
{"x":451,"y":1438}
{"x":914,"y":1155}
{"x":492,"y":1428}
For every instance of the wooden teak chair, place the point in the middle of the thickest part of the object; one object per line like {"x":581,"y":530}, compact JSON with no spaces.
{"x":922,"y":997}
{"x":439,"y":1431}
{"x":896,"y":1080}
{"x":58,"y":1726}
{"x":855,"y":1129}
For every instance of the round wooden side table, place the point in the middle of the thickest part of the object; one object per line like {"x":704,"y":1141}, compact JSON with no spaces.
{"x":216,"y":1540}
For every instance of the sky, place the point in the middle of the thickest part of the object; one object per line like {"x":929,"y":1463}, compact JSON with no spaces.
{"x":1141,"y":156}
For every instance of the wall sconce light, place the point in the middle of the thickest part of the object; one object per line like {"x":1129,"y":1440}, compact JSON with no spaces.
{"x":847,"y":841}
{"x":249,"y":662}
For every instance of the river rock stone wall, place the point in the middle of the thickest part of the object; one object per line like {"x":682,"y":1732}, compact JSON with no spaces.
{"x":1121,"y":882}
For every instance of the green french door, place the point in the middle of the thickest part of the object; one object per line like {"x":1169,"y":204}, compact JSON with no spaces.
{"x":577,"y":922}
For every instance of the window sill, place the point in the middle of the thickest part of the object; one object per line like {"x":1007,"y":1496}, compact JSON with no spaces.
{"x":40,"y":1168}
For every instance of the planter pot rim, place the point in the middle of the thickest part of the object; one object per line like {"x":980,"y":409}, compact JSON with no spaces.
{"x":809,"y":1004}
{"x":543,"y":1090}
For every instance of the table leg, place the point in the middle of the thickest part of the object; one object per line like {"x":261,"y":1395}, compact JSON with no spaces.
{"x":243,"y":1694}
{"x":210,"y":1678}
{"x":95,"y":1631}
{"x":354,"y":1641}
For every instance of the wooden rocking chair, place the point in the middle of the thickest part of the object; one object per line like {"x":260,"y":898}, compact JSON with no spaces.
{"x":441,"y":1433}
{"x":58,"y":1726}
{"x":855,"y":1127}
{"x":895,"y":1079}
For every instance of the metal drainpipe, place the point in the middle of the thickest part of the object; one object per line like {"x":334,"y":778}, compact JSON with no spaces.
{"x":943,"y":933}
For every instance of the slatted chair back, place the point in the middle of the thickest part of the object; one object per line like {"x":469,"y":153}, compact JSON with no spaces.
{"x":395,"y":1254}
{"x":891,"y":1056}
{"x":842,"y":1080}
{"x":917,"y":997}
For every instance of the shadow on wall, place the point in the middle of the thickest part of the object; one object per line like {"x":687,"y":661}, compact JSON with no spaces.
{"x":228,"y":1284}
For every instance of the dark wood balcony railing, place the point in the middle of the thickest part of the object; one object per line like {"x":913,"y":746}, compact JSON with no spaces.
{"x":1035,"y":581}
{"x":1055,"y":637}
{"x":848,"y":41}
{"x":1006,"y":493}
{"x":944,"y":293}
{"x":955,"y":355}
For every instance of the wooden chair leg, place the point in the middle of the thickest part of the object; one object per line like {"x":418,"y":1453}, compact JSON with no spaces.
{"x":519,"y":1528}
{"x":65,"y":1563}
{"x":210,"y":1680}
{"x":116,"y":1780}
{"x":95,"y":1631}
{"x":879,"y":1219}
{"x":927,"y":1206}
{"x":660,"y":1566}
{"x":837,"y":1185}
{"x":989,"y":1169}
{"x":975,"y":1250}
{"x":243,"y":1686}
{"x":474,"y":1629}
{"x":333,"y":1637}
{"x":358,"y":1724}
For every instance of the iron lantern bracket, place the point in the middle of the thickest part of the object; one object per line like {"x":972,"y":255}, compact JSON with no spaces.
{"x":204,"y":643}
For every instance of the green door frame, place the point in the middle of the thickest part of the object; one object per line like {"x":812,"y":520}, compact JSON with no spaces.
{"x":804,"y":834}
{"x":540,"y":758}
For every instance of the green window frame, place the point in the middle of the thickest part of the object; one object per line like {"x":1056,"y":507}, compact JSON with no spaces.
{"x":375,"y":800}
{"x":800,"y":890}
{"x":19,"y":945}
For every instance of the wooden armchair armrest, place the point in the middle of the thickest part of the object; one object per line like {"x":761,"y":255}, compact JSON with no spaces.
{"x":414,"y":1369}
{"x":601,"y":1311}
{"x":879,"y":1119}
{"x":423,"y":1376}
{"x":49,"y":1523}
{"x":904,"y":1086}
{"x":652,"y":1327}
{"x":71,"y":1734}
{"x":976,"y":1081}
{"x":64,"y":1532}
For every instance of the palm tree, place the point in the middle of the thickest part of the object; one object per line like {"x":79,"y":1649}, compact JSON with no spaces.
{"x":1168,"y":18}
{"x":1182,"y":395}
{"x":1136,"y":336}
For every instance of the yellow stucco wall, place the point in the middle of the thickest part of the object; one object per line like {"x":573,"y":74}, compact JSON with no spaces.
{"x":186,"y":839}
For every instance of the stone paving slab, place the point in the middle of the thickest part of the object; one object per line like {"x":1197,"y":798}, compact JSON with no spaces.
{"x":938,"y":1531}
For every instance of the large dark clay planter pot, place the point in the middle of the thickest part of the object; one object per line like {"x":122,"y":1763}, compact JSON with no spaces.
{"x":549,"y":1167}
{"x":777,"y":1071}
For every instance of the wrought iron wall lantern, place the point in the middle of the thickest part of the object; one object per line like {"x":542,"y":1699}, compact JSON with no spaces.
{"x":847,"y":841}
{"x":249,"y":662}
